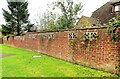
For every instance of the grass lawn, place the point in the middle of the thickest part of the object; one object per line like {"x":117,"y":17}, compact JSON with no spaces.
{"x":23,"y":65}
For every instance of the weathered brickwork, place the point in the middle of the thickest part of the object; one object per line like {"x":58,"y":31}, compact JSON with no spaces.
{"x":1,"y":40}
{"x":101,"y":54}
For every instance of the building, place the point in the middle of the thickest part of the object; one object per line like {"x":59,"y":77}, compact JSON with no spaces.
{"x":87,"y":22}
{"x":107,"y":11}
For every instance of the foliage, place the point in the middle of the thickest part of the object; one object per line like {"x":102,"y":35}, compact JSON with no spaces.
{"x":89,"y":37}
{"x":23,"y":65}
{"x":73,"y":43}
{"x":47,"y":21}
{"x":0,"y":32}
{"x":114,"y":28}
{"x":114,"y":31}
{"x":51,"y":21}
{"x":63,"y":18}
{"x":30,"y":27}
{"x":7,"y":29}
{"x":85,"y":39}
{"x":16,"y":18}
{"x":0,"y":29}
{"x":69,"y":12}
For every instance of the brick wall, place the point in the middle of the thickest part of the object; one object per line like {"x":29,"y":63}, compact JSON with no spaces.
{"x":1,"y":40}
{"x":101,"y":55}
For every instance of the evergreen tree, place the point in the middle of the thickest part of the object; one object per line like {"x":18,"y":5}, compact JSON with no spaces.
{"x":17,"y":18}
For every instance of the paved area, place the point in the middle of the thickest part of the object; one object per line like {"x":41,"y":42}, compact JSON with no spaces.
{"x":5,"y":55}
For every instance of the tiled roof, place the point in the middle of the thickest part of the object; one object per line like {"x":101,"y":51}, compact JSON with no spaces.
{"x":114,"y":0}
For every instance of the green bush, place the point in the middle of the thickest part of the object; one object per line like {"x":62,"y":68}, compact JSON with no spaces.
{"x":114,"y":28}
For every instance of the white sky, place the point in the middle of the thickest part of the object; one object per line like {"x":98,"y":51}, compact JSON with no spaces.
{"x":36,"y":7}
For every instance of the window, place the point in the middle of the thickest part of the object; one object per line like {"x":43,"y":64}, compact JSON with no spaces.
{"x":117,"y":8}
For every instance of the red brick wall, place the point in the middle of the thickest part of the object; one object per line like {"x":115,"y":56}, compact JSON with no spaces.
{"x":1,"y":40}
{"x":102,"y":54}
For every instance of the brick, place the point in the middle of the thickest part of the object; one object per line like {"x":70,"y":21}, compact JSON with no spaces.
{"x":103,"y":51}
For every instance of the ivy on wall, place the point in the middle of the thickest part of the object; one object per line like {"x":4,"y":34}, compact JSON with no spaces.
{"x":86,"y":37}
{"x":114,"y":29}
{"x":89,"y":36}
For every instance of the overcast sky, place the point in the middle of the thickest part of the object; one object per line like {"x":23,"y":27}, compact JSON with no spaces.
{"x":36,"y":7}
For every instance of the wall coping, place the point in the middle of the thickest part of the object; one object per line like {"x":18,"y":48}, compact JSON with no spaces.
{"x":103,"y":27}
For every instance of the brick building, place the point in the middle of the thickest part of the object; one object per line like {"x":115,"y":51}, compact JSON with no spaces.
{"x":107,"y":11}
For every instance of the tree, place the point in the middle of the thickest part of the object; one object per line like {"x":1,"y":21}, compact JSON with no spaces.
{"x":69,"y":12}
{"x":55,"y":20}
{"x":0,"y":30}
{"x":17,"y":18}
{"x":47,"y":21}
{"x":7,"y":30}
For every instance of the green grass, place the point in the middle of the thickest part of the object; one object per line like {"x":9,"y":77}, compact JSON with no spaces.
{"x":23,"y":65}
